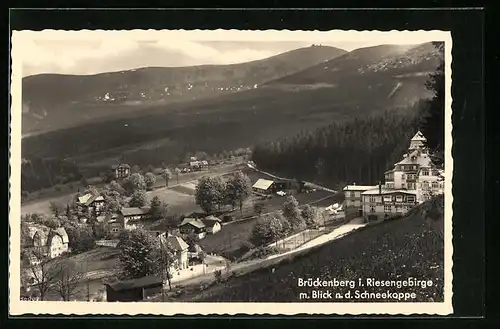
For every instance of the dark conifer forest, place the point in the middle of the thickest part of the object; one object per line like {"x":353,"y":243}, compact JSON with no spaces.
{"x":361,"y":149}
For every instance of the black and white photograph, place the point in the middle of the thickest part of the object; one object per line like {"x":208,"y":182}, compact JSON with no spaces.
{"x":227,"y":171}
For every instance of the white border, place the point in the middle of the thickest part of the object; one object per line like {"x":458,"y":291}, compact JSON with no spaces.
{"x":18,"y":307}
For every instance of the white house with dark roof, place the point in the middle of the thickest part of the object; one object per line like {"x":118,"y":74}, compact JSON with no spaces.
{"x":121,"y":171}
{"x":381,"y":202}
{"x":178,"y":247}
{"x":212,"y":224}
{"x":352,"y":201}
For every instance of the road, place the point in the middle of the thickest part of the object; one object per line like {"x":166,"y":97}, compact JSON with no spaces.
{"x":251,"y":265}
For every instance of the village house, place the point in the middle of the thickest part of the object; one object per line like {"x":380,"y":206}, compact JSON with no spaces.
{"x":179,"y":249}
{"x":134,"y":290}
{"x":49,"y":242}
{"x":352,"y":202}
{"x":111,"y":224}
{"x":90,"y":205}
{"x":121,"y":171}
{"x":193,"y":226}
{"x":132,"y":218}
{"x":264,"y":186}
{"x":212,"y":224}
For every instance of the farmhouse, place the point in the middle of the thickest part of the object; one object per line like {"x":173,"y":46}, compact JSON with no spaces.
{"x":178,"y":247}
{"x":133,"y":217}
{"x":212,"y":224}
{"x":264,"y":186}
{"x":193,"y":226}
{"x":111,"y":224}
{"x":50,"y":242}
{"x":90,"y":205}
{"x":134,"y":290}
{"x":121,"y":171}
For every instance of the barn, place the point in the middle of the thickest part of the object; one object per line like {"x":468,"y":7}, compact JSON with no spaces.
{"x":134,"y":290}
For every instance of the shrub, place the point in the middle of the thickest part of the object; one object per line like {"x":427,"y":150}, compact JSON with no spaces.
{"x":218,"y":276}
{"x":262,"y":252}
{"x":246,"y":246}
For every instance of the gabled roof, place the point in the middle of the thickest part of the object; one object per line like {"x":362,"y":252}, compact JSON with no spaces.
{"x":419,"y":137}
{"x":61,"y":232}
{"x":136,"y":283}
{"x":211,"y":220}
{"x":175,"y":242}
{"x":358,"y":187}
{"x":263,"y":184}
{"x":192,"y":221}
{"x":135,"y":211}
{"x":417,"y":158}
{"x":84,"y":198}
{"x":120,"y":165}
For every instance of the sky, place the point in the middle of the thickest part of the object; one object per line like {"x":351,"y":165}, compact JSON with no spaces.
{"x":92,"y":52}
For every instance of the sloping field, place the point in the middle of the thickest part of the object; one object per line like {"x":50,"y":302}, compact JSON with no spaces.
{"x":401,"y":249}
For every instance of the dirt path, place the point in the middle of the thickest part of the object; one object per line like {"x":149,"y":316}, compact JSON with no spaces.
{"x":252,"y":265}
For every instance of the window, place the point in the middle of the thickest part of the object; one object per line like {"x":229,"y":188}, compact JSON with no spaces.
{"x":372,"y":198}
{"x":435,"y":185}
{"x":411,"y":186}
{"x":425,"y":172}
{"x":399,"y":198}
{"x":387,"y":198}
{"x":410,"y":198}
{"x":387,"y":208}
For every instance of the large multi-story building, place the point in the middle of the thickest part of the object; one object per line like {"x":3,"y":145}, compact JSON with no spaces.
{"x":413,"y":180}
{"x":352,"y":201}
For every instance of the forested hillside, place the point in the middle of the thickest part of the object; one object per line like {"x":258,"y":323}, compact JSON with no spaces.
{"x":357,"y":150}
{"x":361,"y":149}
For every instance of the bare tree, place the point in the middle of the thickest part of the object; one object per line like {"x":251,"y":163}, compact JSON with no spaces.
{"x":68,"y":278}
{"x":39,"y":270}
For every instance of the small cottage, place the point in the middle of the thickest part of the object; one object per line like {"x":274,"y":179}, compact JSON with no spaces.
{"x":178,"y":247}
{"x":51,"y":242}
{"x":212,"y":224}
{"x":193,"y":225}
{"x":264,"y":186}
{"x":133,"y":217}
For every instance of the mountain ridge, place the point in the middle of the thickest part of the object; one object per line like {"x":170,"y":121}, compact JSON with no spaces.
{"x":52,"y":101}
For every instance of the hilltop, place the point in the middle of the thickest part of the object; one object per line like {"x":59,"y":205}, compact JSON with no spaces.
{"x":407,"y":247}
{"x":53,"y":101}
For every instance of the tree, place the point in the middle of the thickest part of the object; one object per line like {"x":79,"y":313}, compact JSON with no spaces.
{"x":267,"y":229}
{"x":158,"y":209}
{"x":134,"y":183}
{"x":113,"y":202}
{"x":69,"y":213}
{"x":116,"y":187}
{"x":56,"y":208}
{"x":433,"y":121}
{"x":258,"y":208}
{"x":291,"y":212}
{"x":138,"y":199}
{"x":81,"y":238}
{"x":136,"y":169}
{"x":192,"y":239}
{"x":39,"y":270}
{"x":239,"y":189}
{"x":167,"y":175}
{"x":69,"y":276}
{"x":150,"y":180}
{"x":310,"y":216}
{"x":177,"y":171}
{"x":209,"y":193}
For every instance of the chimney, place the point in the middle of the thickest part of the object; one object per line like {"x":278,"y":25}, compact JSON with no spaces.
{"x":379,"y":187}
